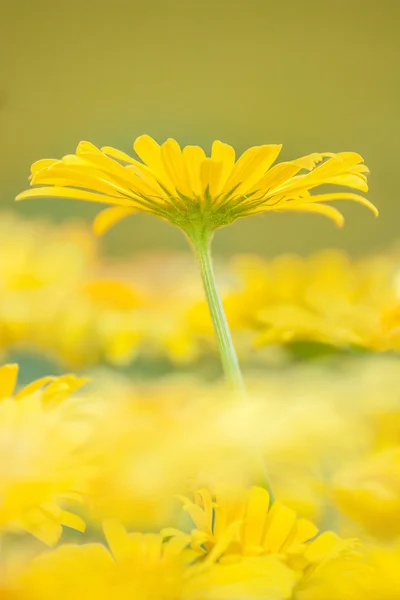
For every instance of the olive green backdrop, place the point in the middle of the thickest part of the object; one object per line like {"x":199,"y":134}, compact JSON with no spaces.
{"x":314,"y":75}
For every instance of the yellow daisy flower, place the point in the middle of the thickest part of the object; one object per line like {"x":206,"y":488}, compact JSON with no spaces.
{"x":38,"y":470}
{"x":241,"y":523}
{"x":195,"y":192}
{"x":144,"y":567}
{"x":240,"y":530}
{"x":137,"y":566}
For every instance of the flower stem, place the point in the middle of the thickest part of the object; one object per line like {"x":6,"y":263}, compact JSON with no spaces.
{"x":230,"y":363}
{"x":202,"y":248}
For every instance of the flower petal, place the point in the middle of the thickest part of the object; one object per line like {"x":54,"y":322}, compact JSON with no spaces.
{"x":172,"y":160}
{"x":44,"y":163}
{"x":224,"y":154}
{"x":345,"y":196}
{"x":150,"y":153}
{"x":251,"y":166}
{"x":118,"y":155}
{"x":210,"y":174}
{"x":256,"y":515}
{"x":109,"y":217}
{"x":8,"y":380}
{"x":193,"y":156}
{"x":280,"y":523}
{"x":73,"y":193}
{"x":320,"y":209}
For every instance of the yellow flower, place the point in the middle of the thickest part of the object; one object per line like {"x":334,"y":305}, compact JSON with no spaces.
{"x":196,"y":192}
{"x":38,"y":470}
{"x":138,"y":566}
{"x":238,"y":532}
{"x":143,"y":567}
{"x":325,"y":298}
{"x":242,"y":523}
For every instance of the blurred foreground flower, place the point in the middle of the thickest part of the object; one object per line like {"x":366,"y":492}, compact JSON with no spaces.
{"x":39,"y":458}
{"x":142,"y":567}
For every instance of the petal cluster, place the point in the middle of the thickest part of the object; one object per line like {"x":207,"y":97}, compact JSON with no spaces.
{"x":39,"y":465}
{"x":194,"y":191}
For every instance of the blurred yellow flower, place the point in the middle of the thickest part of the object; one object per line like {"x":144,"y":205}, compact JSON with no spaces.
{"x":325,"y":298}
{"x":196,"y":192}
{"x":237,"y":523}
{"x":143,"y":567}
{"x":138,"y":566}
{"x":38,"y":468}
{"x":238,"y":530}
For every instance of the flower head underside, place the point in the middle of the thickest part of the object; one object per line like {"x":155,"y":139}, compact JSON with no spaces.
{"x":193,"y":191}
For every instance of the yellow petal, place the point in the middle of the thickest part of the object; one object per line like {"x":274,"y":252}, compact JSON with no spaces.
{"x":303,"y":531}
{"x":310,"y":161}
{"x":44,"y":163}
{"x":323,"y":546}
{"x":68,"y":519}
{"x":85,"y":148}
{"x":152,"y":543}
{"x":33,"y":387}
{"x":350,"y":180}
{"x":224,"y":154}
{"x":319,"y":209}
{"x":251,"y":167}
{"x":107,"y":165}
{"x":118,"y":154}
{"x":345,"y":196}
{"x":150,"y":153}
{"x":276,"y":177}
{"x":8,"y":380}
{"x":64,"y":192}
{"x":172,"y":160}
{"x":44,"y":529}
{"x":81,"y":176}
{"x":109,"y":217}
{"x":210,"y":174}
{"x":256,"y":515}
{"x":193,"y":156}
{"x":207,"y":504}
{"x":62,"y":387}
{"x":279,"y":527}
{"x":117,"y":538}
{"x":198,"y":517}
{"x":176,"y":545}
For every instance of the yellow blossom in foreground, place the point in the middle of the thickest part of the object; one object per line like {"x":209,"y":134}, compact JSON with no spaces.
{"x":137,"y":566}
{"x":235,"y":524}
{"x":194,"y":191}
{"x":142,"y":567}
{"x":38,"y":469}
{"x":240,"y":529}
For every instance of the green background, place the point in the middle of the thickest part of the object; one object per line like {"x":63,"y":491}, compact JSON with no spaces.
{"x":313,"y":75}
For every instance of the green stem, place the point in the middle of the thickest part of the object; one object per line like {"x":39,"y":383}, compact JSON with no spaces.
{"x":202,"y":248}
{"x":230,"y":363}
